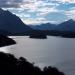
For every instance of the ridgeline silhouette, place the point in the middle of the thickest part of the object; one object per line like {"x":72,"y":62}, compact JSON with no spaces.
{"x":11,"y":24}
{"x":68,"y":26}
{"x":9,"y":65}
{"x":64,"y":29}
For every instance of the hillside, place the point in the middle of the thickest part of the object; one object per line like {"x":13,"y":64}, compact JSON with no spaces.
{"x":11,"y":23}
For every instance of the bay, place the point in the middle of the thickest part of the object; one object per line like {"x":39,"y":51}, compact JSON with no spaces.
{"x":54,"y":51}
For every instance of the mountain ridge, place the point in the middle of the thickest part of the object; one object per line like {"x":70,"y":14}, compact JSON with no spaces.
{"x":68,"y":25}
{"x":11,"y":23}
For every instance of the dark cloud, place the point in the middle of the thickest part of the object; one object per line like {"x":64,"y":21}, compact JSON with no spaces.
{"x":10,"y":3}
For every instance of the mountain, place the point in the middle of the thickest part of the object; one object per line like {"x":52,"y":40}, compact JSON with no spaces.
{"x":11,"y":23}
{"x":67,"y":26}
{"x":46,"y":26}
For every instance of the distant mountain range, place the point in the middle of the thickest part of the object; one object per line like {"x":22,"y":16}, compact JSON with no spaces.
{"x":65,"y":26}
{"x":11,"y":24}
{"x":45,"y":26}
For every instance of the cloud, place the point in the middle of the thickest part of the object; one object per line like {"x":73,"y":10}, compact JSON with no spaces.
{"x":40,"y":7}
{"x":37,"y":21}
{"x":45,"y":11}
{"x":24,"y":15}
{"x":37,"y":4}
{"x":70,"y":13}
{"x":32,"y":5}
{"x":19,"y":12}
{"x":10,"y":3}
{"x":66,"y":1}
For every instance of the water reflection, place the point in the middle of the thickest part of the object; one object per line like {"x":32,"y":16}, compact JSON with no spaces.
{"x":4,"y":49}
{"x":54,"y":51}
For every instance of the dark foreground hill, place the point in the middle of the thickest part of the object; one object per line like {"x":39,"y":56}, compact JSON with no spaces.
{"x":5,"y":41}
{"x":9,"y":65}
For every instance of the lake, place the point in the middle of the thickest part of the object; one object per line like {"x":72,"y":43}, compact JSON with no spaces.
{"x":54,"y":51}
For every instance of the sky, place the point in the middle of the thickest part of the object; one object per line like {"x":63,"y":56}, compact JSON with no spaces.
{"x":41,"y":11}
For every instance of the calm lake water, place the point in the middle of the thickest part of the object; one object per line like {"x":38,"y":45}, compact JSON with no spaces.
{"x":54,"y":51}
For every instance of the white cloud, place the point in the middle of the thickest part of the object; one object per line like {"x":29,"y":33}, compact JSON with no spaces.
{"x":38,"y":6}
{"x":46,"y":10}
{"x":24,"y":15}
{"x":10,"y":3}
{"x":37,"y":21}
{"x":65,"y":1}
{"x":70,"y":14}
{"x":28,"y":5}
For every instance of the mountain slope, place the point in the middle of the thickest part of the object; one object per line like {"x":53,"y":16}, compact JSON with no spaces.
{"x":11,"y":23}
{"x":67,"y":26}
{"x":46,"y":26}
